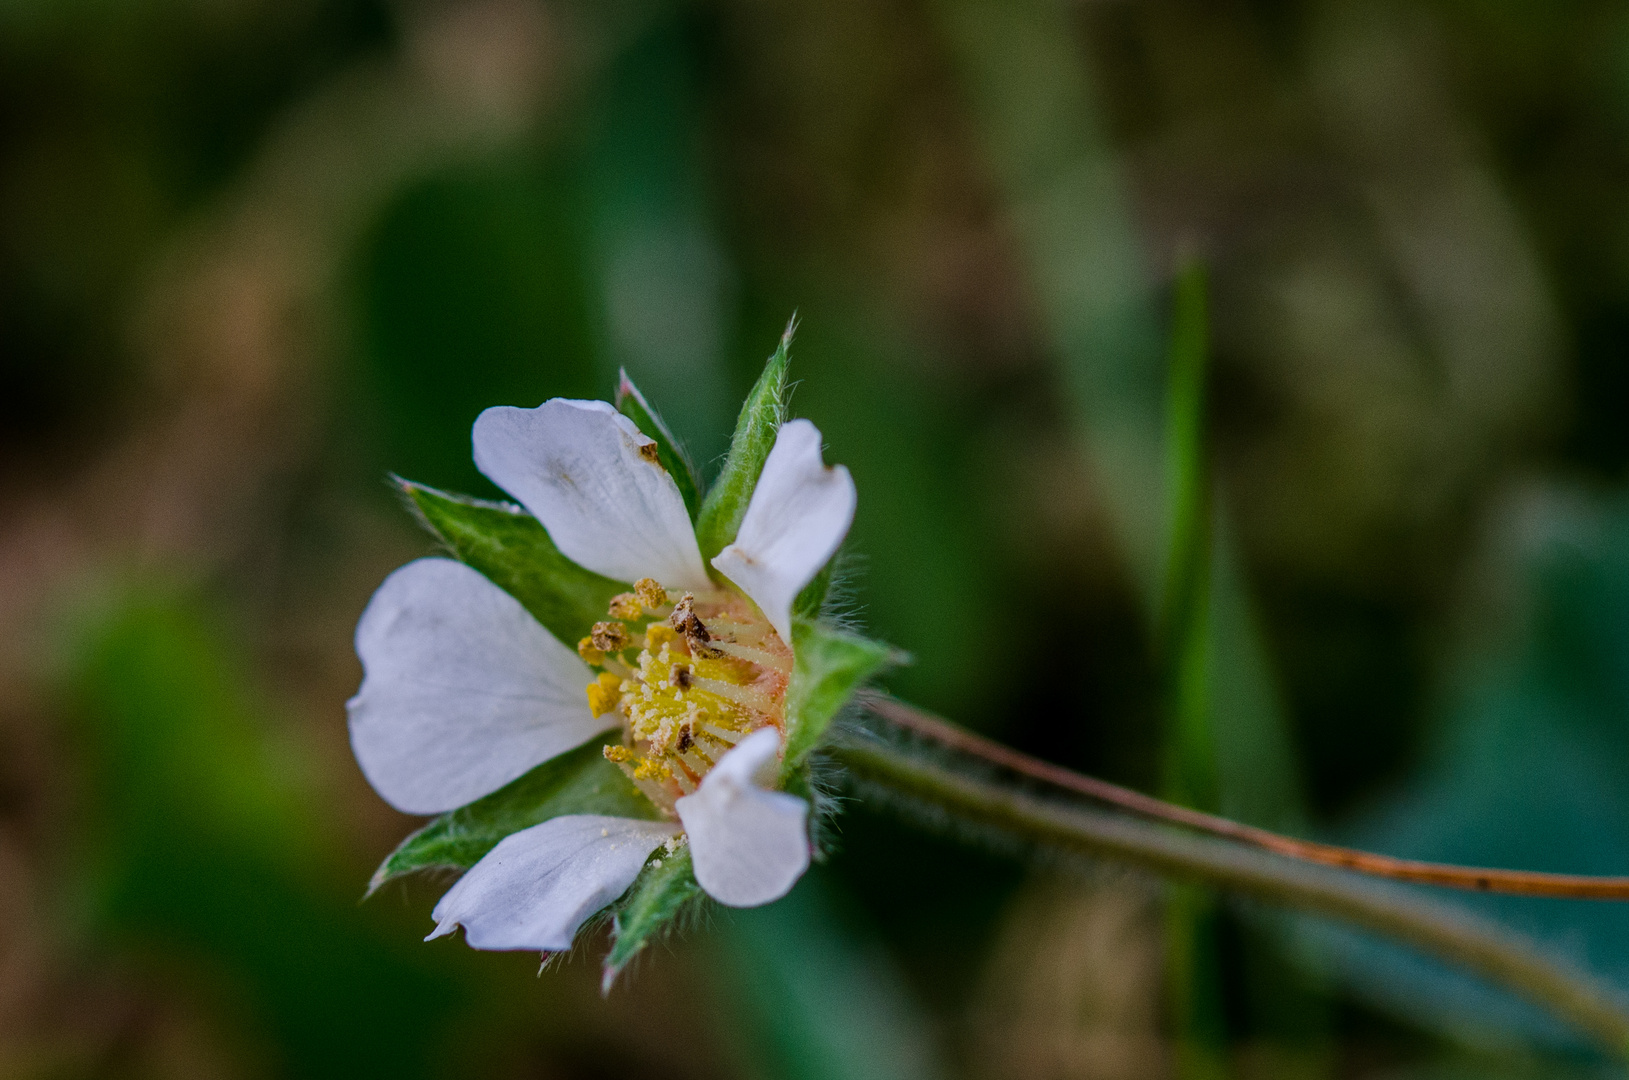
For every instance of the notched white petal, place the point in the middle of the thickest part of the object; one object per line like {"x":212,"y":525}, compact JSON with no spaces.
{"x":462,"y":690}
{"x":539,"y":885}
{"x":799,"y":513}
{"x":592,"y":478}
{"x":749,"y":846}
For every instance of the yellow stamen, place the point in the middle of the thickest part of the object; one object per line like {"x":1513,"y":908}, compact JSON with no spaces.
{"x":626,"y":606}
{"x":650,"y":592}
{"x":744,"y":696}
{"x":761,"y":657}
{"x":723,"y":734}
{"x":708,"y":672}
{"x":604,"y":694}
{"x":609,"y":637}
{"x":652,"y":769}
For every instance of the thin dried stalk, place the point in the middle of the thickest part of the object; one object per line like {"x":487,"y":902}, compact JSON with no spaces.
{"x":1472,"y":878}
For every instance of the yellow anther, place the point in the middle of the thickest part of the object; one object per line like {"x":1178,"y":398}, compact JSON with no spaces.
{"x":618,"y":754}
{"x":659,"y":634}
{"x":604,"y":693}
{"x":626,"y":606}
{"x":609,"y":636}
{"x":650,"y":592}
{"x":590,"y":655}
{"x":651,"y":769}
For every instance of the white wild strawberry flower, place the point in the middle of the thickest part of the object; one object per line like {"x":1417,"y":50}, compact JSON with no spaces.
{"x":465,"y":691}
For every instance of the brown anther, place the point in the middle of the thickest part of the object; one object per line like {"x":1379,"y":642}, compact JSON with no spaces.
{"x":626,"y":606}
{"x":651,"y":454}
{"x":686,"y":740}
{"x":678,"y":677}
{"x":650,"y":592}
{"x":609,"y":637}
{"x":686,"y":622}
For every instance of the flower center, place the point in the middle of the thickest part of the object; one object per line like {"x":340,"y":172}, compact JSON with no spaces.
{"x":708,"y":671}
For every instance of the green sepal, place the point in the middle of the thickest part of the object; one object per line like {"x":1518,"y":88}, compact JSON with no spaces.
{"x":657,"y":897}
{"x":813,"y":595}
{"x":828,"y":666}
{"x":579,"y":781}
{"x":755,"y":430}
{"x":632,"y":404}
{"x":514,"y":551}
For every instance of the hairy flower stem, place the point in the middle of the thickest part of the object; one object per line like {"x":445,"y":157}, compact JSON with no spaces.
{"x":1442,"y":929}
{"x":1471,"y":878}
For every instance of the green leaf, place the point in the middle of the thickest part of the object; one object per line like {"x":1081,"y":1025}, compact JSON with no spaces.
{"x":656,"y":898}
{"x":514,"y":551}
{"x":760,"y":419}
{"x":579,"y":781}
{"x":828,"y":666}
{"x":632,"y":404}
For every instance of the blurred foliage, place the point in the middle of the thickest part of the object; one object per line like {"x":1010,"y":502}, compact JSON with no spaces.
{"x":1530,"y":763}
{"x":255,"y":256}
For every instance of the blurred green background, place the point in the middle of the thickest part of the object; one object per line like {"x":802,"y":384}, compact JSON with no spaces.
{"x":254,"y":256}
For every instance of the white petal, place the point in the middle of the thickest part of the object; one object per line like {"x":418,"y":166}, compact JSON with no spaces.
{"x":749,"y":846}
{"x":576,"y":466}
{"x":538,"y":885}
{"x":462,"y":690}
{"x":799,"y":513}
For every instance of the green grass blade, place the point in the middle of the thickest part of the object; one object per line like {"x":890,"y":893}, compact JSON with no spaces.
{"x":1184,"y":643}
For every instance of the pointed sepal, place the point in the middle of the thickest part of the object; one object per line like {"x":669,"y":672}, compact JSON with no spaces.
{"x":669,"y":451}
{"x":579,"y":781}
{"x":665,"y":891}
{"x":755,"y":429}
{"x":828,"y":666}
{"x":514,"y":551}
{"x":812,"y":600}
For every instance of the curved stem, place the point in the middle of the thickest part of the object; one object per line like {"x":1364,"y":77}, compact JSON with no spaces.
{"x":1435,"y":927}
{"x":1475,"y":879}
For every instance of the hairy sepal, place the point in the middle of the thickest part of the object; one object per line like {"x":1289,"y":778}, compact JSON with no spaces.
{"x":661,"y":896}
{"x":579,"y":781}
{"x":669,"y":451}
{"x":755,"y":429}
{"x":515,"y":553}
{"x":812,"y":599}
{"x":828,"y":666}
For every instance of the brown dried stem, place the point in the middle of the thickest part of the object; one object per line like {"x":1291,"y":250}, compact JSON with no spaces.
{"x":1439,"y":928}
{"x":1473,"y":878}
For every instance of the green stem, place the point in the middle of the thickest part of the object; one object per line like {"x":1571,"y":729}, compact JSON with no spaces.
{"x":1449,"y":932}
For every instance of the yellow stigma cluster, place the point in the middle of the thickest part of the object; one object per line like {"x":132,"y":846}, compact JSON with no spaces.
{"x":708,"y":671}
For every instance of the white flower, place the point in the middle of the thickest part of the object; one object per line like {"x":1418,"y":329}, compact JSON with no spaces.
{"x":464,"y":691}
